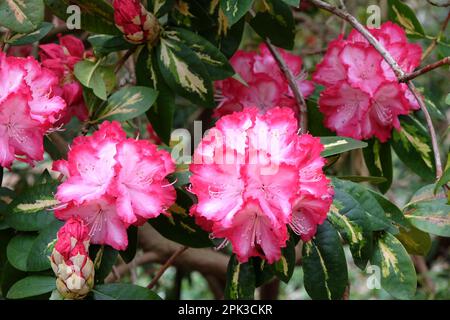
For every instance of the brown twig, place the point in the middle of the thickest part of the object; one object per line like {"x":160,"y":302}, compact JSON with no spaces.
{"x":434,"y":143}
{"x":422,"y":268}
{"x":303,"y":111}
{"x":124,"y":59}
{"x":394,"y":66}
{"x":165,"y":266}
{"x":427,"y":68}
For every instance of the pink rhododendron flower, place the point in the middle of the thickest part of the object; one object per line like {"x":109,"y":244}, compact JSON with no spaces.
{"x":61,"y":59}
{"x":28,"y":108}
{"x":362,"y":97}
{"x":253,"y":175}
{"x":135,"y":22}
{"x":267,"y":85}
{"x":113,"y":182}
{"x":70,"y":260}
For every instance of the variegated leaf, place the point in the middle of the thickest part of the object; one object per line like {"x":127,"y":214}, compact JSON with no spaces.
{"x":349,"y":218}
{"x":374,"y":212}
{"x":431,"y":216}
{"x":184,"y":72}
{"x":324,"y":265}
{"x":240,"y":280}
{"x":235,"y":9}
{"x":21,"y":39}
{"x":30,"y":211}
{"x":404,"y":15}
{"x":337,"y":145}
{"x":398,"y":276}
{"x":215,"y":61}
{"x":128,"y":103}
{"x":21,"y":16}
{"x":412,"y":145}
{"x":378,"y":159}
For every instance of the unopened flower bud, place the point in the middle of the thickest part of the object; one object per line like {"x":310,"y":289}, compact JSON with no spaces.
{"x":70,"y":260}
{"x":136,"y":23}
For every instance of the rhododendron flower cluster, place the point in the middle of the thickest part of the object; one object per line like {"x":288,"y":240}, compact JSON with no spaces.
{"x":362,"y":97}
{"x":70,"y":260}
{"x":61,"y":59}
{"x":253,"y":175}
{"x":136,"y":23}
{"x":28,"y":108}
{"x":113,"y":182}
{"x":267,"y":86}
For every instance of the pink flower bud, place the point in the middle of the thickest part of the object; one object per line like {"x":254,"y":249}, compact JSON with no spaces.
{"x":70,"y":260}
{"x":137,"y":24}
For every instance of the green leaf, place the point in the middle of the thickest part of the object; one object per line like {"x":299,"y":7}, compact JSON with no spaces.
{"x":398,"y":276}
{"x":274,"y":20}
{"x":128,"y":103}
{"x":337,"y":145}
{"x":234,"y":10}
{"x":324,"y":265}
{"x":180,"y":227}
{"x":374,"y":212}
{"x":215,"y":62}
{"x":413,"y":146}
{"x":129,"y":254}
{"x":21,"y":39}
{"x":90,"y":75}
{"x":21,"y":16}
{"x":373,"y":180}
{"x":400,"y":13}
{"x":294,"y":3}
{"x":378,"y":159}
{"x":29,"y":252}
{"x":123,"y":291}
{"x":184,"y":72}
{"x":30,"y":210}
{"x":391,"y":210}
{"x":431,"y":216}
{"x":31,"y":286}
{"x":240,"y":283}
{"x":10,"y":275}
{"x":350,"y":220}
{"x":104,"y":44}
{"x":97,"y":16}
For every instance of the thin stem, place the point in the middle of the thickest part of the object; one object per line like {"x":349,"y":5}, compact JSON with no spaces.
{"x":166,"y":266}
{"x":124,"y":59}
{"x":394,"y":66}
{"x":303,"y":111}
{"x":425,"y":69}
{"x":437,"y":39}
